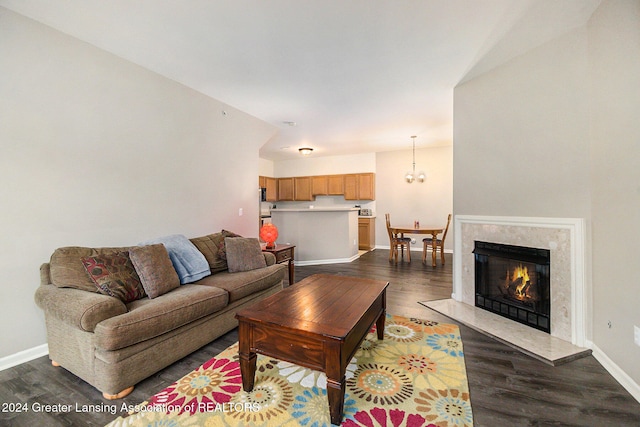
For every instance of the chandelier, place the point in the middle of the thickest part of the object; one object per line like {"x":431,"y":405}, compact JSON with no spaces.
{"x":411,"y":176}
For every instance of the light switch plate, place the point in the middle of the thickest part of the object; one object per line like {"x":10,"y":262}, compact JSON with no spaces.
{"x":636,"y":335}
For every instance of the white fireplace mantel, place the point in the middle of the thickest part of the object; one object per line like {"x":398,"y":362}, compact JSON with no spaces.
{"x":564,"y":237}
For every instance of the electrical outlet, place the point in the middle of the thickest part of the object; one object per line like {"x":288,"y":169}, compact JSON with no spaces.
{"x":636,"y":335}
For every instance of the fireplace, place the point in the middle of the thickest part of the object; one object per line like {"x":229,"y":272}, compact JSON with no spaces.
{"x":514,"y":282}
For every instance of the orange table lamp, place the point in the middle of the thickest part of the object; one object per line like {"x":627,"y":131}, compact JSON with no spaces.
{"x":269,"y":233}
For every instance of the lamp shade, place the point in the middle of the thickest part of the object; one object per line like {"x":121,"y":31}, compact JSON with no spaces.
{"x":269,"y":233}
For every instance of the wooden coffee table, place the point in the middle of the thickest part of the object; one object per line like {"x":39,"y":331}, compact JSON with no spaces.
{"x":317,"y":323}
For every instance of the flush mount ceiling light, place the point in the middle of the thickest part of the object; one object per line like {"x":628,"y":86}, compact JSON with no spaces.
{"x":305,"y":151}
{"x":411,"y":176}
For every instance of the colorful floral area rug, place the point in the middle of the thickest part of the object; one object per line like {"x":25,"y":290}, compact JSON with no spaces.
{"x":415,"y":377}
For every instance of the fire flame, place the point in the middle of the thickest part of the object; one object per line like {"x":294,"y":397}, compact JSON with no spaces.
{"x":520,"y":272}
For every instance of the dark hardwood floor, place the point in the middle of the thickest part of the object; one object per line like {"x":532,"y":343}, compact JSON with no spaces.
{"x":507,"y":387}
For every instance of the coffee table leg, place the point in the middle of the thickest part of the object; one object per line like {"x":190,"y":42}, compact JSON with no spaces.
{"x":380,"y":325}
{"x":335,"y":382}
{"x":335,"y":393}
{"x":247,"y":358}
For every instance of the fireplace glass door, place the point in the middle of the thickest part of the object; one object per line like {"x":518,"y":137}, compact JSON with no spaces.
{"x":513,"y":281}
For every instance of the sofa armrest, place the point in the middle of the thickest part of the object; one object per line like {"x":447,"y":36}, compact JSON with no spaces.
{"x":81,"y":309}
{"x":269,"y":258}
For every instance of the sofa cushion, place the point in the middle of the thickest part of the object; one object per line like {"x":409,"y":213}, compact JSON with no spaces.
{"x":67,"y":270}
{"x":114,"y":275}
{"x":239,"y":285}
{"x":155,"y":269}
{"x":187,"y":260}
{"x":243,"y":254}
{"x":213,"y":248}
{"x":147,"y":318}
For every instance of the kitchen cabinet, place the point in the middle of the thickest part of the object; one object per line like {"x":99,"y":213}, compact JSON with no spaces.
{"x":271,"y":186}
{"x":285,"y":189}
{"x":302,"y":188}
{"x":360,"y":186}
{"x":335,"y":185}
{"x":366,"y":186}
{"x":355,"y":186}
{"x":320,"y":185}
{"x":295,"y":189}
{"x":272,"y":189}
{"x":366,"y":233}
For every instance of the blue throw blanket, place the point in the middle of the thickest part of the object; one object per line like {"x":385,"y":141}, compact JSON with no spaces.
{"x":188,"y":261}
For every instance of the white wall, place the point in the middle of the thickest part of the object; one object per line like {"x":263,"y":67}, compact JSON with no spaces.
{"x":614,"y":56}
{"x":328,"y":165}
{"x":265,"y":167}
{"x":97,"y":151}
{"x":429,"y":202}
{"x":521,"y":135}
{"x":569,"y":108}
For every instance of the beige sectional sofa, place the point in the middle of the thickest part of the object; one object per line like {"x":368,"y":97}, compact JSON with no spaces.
{"x":112,"y":345}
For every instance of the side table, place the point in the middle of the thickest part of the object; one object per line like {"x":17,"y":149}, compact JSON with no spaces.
{"x":283,"y":253}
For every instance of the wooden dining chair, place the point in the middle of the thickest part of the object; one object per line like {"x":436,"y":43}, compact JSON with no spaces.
{"x":396,"y":242}
{"x":427,"y":242}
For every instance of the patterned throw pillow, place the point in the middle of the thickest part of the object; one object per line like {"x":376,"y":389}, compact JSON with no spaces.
{"x":114,"y":275}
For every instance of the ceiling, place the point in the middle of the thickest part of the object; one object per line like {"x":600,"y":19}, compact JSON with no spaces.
{"x":353,"y":76}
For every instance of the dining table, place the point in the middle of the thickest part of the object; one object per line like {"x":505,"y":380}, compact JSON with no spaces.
{"x":421,"y":229}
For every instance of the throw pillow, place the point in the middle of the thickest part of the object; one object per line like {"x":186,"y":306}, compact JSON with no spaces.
{"x":155,"y":269}
{"x":222,"y":252}
{"x":213,"y":248}
{"x":67,"y":270}
{"x":114,"y":275}
{"x":244,"y":254}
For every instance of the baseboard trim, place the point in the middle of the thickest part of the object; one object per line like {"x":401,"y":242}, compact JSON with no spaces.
{"x":23,"y":356}
{"x":326,"y":261}
{"x":616,"y":372}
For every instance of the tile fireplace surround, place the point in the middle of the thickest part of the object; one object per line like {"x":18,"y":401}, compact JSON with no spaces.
{"x":564,"y":237}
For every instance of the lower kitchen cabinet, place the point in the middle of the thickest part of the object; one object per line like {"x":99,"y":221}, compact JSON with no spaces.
{"x":366,"y":233}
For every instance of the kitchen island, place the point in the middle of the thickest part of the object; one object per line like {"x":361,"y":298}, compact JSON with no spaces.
{"x":321,"y":235}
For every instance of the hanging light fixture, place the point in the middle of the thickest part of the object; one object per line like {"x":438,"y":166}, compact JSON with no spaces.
{"x":412,"y":176}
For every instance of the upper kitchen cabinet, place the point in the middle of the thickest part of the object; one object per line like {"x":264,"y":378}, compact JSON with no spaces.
{"x":327,"y":185}
{"x":355,"y":186}
{"x":302,"y":188}
{"x":320,"y":185}
{"x":285,"y":189}
{"x":360,"y":186}
{"x":294,"y":189}
{"x":335,"y":185}
{"x":272,"y":189}
{"x":271,"y":186}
